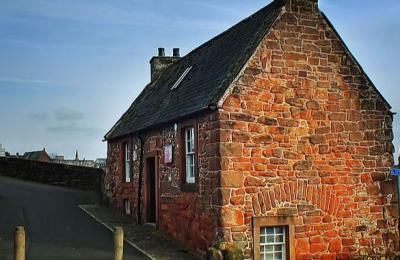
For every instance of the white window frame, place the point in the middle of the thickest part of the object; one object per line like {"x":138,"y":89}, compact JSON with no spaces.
{"x":127,"y":206}
{"x":127,"y":163}
{"x":190,"y":155}
{"x":270,"y":247}
{"x":287,"y":222}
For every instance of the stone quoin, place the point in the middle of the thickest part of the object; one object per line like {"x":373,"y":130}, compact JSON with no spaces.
{"x":277,"y":134}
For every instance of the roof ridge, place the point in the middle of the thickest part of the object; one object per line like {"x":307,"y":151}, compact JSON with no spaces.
{"x":205,"y":44}
{"x":216,"y":63}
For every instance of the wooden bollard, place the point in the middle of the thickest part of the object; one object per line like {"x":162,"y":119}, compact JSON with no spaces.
{"x":19,"y":244}
{"x":118,"y":243}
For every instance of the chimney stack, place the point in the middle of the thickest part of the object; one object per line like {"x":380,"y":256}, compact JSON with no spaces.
{"x":299,"y":6}
{"x":176,"y":52}
{"x":161,"y":62}
{"x":161,"y":52}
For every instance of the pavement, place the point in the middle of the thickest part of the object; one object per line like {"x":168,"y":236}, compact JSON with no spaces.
{"x":144,"y":238}
{"x":56,"y":228}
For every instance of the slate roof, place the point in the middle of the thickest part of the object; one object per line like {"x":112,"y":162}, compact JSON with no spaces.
{"x":35,"y":155}
{"x":215,"y":65}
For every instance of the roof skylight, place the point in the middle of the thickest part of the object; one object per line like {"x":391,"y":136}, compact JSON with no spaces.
{"x":181,"y":78}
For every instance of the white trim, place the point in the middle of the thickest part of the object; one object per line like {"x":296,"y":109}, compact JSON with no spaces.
{"x":127,"y":163}
{"x":273,"y":245}
{"x":190,"y":143}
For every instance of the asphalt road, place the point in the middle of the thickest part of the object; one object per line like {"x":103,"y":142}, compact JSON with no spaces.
{"x":55,"y":227}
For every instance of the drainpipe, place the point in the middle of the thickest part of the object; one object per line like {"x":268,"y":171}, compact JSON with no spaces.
{"x":139,"y":195}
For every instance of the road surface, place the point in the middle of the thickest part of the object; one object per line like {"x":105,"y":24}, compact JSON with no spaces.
{"x":55,"y":227}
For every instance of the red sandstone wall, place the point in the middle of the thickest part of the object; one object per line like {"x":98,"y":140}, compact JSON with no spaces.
{"x":304,"y":134}
{"x":188,"y":216}
{"x":115,"y":189}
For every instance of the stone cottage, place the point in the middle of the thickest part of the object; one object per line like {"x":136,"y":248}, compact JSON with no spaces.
{"x":270,"y":136}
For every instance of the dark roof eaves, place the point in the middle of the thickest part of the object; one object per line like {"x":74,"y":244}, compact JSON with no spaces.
{"x":207,"y":109}
{"x":108,"y":135}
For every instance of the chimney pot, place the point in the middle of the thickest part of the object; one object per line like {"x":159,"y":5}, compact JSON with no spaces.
{"x":160,"y":62}
{"x":161,"y":52}
{"x":176,"y":52}
{"x":299,"y":6}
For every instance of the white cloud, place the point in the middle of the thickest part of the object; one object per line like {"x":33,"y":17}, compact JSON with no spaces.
{"x":99,"y":13}
{"x":66,"y":114}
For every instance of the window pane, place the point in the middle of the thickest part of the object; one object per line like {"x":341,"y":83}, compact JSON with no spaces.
{"x":272,"y":243}
{"x":269,"y":248}
{"x":189,"y":140}
{"x":278,"y":255}
{"x":269,"y":256}
{"x":192,"y":171}
{"x":127,"y":172}
{"x":190,"y":156}
{"x":263,"y":231}
{"x":127,"y":152}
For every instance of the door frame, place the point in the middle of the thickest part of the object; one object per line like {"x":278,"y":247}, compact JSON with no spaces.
{"x":146,"y":185}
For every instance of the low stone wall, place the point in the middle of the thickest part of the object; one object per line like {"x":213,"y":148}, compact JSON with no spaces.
{"x":52,"y":173}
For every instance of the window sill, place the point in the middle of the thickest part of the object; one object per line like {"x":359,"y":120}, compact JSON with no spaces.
{"x":190,"y":187}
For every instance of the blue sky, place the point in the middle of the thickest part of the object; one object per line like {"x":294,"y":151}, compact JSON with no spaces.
{"x":69,"y":69}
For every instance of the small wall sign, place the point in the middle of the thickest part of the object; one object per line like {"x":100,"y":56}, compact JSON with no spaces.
{"x":168,"y":153}
{"x":395,"y":172}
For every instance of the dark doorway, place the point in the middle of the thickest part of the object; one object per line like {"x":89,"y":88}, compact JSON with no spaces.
{"x":151,"y":190}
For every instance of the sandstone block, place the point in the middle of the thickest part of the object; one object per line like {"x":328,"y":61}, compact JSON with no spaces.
{"x":231,"y":149}
{"x":241,"y":137}
{"x":252,"y":181}
{"x":242,"y":117}
{"x":263,"y":139}
{"x":286,"y":211}
{"x":231,"y":217}
{"x":317,"y":139}
{"x":302,"y":165}
{"x":230,"y":179}
{"x":318,"y":247}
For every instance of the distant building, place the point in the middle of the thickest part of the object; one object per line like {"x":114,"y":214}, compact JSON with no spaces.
{"x":2,"y":151}
{"x":41,"y":156}
{"x":101,"y":163}
{"x":59,"y":158}
{"x":15,"y":156}
{"x":76,"y":161}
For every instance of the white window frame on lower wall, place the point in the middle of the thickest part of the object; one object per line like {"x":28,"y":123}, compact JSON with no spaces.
{"x":127,"y":206}
{"x":281,"y":237}
{"x":190,"y":155}
{"x":127,"y":162}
